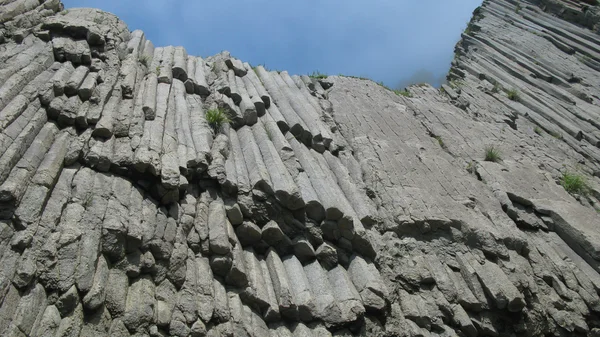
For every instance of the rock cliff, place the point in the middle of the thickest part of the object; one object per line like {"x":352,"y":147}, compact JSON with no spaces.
{"x":318,"y":206}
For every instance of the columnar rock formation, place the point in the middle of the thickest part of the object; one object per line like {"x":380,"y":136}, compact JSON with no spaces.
{"x":325,"y":207}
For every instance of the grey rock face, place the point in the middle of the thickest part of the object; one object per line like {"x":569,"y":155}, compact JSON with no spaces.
{"x":327,"y":207}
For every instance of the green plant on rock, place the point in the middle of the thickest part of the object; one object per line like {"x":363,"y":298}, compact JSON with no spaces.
{"x":538,"y":130}
{"x":255,"y":68}
{"x":404,"y":93}
{"x":574,"y":183}
{"x":471,"y":167}
{"x":357,"y":77}
{"x":556,"y":134}
{"x":216,"y":118}
{"x":158,"y":70}
{"x":518,"y":8}
{"x":492,"y":154}
{"x":456,"y":83}
{"x":497,"y":87}
{"x":513,"y":95}
{"x":144,"y":59}
{"x":472,"y":28}
{"x":440,"y":141}
{"x":478,"y":14}
{"x":317,"y":75}
{"x":468,"y":30}
{"x":381,"y":84}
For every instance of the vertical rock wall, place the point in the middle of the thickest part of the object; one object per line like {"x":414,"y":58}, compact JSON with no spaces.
{"x":323,"y":207}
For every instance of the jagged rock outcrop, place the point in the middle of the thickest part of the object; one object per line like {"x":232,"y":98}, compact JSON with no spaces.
{"x":325,"y":207}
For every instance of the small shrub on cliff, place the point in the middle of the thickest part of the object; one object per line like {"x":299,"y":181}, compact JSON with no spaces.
{"x":471,"y":167}
{"x":381,"y":84}
{"x":492,"y":154}
{"x":456,"y":83}
{"x":513,"y":95}
{"x":440,"y":141}
{"x":538,"y":130}
{"x":404,"y":93}
{"x":317,"y":75}
{"x":144,"y":59}
{"x":216,"y":118}
{"x":478,"y":14}
{"x":574,"y":183}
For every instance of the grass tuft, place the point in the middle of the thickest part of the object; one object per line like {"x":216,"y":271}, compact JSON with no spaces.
{"x":317,"y":75}
{"x":255,"y":68}
{"x":556,"y":134}
{"x":538,"y":130}
{"x":404,"y":93}
{"x":497,"y":87}
{"x":471,"y":167}
{"x":440,"y":141}
{"x":456,"y":83}
{"x":492,"y":154}
{"x":357,"y":77}
{"x":513,"y":95}
{"x":574,"y":183}
{"x":478,"y":14}
{"x":383,"y":85}
{"x":144,"y":59}
{"x":216,"y":118}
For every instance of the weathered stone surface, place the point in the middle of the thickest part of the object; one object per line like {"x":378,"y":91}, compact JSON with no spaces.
{"x":281,"y":285}
{"x":345,"y":294}
{"x":166,"y":296}
{"x":97,"y":294}
{"x":217,"y":229}
{"x":326,"y":307}
{"x":300,"y":287}
{"x":140,"y":308}
{"x":117,"y":286}
{"x":248,"y":233}
{"x":123,"y":212}
{"x":234,"y":213}
{"x":368,"y":283}
{"x":48,"y":324}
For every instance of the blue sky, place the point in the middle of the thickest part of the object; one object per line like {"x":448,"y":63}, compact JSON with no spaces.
{"x":393,"y":41}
